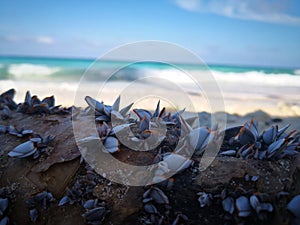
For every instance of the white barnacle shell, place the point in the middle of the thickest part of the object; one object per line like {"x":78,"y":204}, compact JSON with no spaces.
{"x":176,"y":162}
{"x":23,"y":150}
{"x":199,"y":139}
{"x":160,"y":172}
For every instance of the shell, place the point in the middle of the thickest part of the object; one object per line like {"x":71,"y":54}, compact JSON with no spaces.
{"x":228,"y":205}
{"x":282,"y":130}
{"x":64,"y":201}
{"x":116,"y":104}
{"x":125,"y":110}
{"x":10,"y":93}
{"x":111,"y":144}
{"x":141,"y":113}
{"x":33,"y":214}
{"x":90,"y":204}
{"x":274,"y":148}
{"x":228,"y":153}
{"x":3,"y":205}
{"x":204,"y":199}
{"x":4,"y":221}
{"x":23,"y":150}
{"x":294,"y":206}
{"x":102,"y":118}
{"x":253,"y":127}
{"x":150,"y":208}
{"x":270,"y":134}
{"x":243,"y":206}
{"x":199,"y":139}
{"x":255,"y":203}
{"x":176,"y":162}
{"x":2,"y":129}
{"x":245,"y":136}
{"x":96,"y":214}
{"x":158,"y":196}
{"x":94,"y":104}
{"x":116,"y":116}
{"x":266,"y":207}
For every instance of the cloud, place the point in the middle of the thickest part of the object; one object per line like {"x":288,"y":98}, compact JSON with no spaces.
{"x":44,"y":40}
{"x":39,"y":39}
{"x":258,"y":10}
{"x":10,"y":38}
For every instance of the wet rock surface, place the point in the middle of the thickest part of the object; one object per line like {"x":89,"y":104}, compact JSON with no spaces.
{"x":60,"y":168}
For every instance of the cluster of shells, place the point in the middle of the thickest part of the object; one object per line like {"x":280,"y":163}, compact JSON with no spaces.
{"x":36,"y":145}
{"x":176,"y":150}
{"x":82,"y":192}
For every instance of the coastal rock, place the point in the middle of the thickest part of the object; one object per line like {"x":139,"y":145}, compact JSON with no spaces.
{"x":259,"y":116}
{"x":60,"y":168}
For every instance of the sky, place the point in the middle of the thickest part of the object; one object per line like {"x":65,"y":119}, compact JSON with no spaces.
{"x":238,"y":32}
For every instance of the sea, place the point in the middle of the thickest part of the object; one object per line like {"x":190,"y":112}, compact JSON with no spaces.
{"x":72,"y":69}
{"x":243,"y":89}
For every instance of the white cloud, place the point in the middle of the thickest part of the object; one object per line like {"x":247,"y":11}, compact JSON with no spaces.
{"x":265,"y":11}
{"x":191,"y":5}
{"x":44,"y":40}
{"x":39,"y":39}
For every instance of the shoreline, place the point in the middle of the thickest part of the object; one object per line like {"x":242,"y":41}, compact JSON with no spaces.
{"x":236,"y":100}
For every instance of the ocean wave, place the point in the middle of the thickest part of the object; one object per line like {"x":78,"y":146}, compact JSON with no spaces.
{"x":26,"y":70}
{"x":258,"y":78}
{"x":297,"y":72}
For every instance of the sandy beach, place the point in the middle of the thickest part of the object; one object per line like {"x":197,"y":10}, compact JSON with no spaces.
{"x":238,"y":98}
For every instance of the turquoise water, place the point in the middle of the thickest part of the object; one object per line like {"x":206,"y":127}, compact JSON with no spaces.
{"x":32,"y":68}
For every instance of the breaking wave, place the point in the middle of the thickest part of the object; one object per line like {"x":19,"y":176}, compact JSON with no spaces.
{"x":26,"y":70}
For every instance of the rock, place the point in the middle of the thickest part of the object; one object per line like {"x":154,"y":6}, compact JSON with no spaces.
{"x":259,"y":116}
{"x":273,"y":174}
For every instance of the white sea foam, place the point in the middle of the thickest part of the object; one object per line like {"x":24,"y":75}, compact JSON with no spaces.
{"x":297,"y":71}
{"x":258,"y":78}
{"x":26,"y":69}
{"x":255,"y":78}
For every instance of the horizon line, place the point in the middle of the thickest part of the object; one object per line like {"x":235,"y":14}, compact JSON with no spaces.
{"x":121,"y":60}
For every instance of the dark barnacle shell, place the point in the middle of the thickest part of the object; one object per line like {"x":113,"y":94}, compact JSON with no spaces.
{"x":150,"y":208}
{"x":6,"y":99}
{"x":243,"y":206}
{"x":4,"y":221}
{"x":64,"y":200}
{"x":294,"y":206}
{"x":2,"y":129}
{"x":270,"y":135}
{"x":33,"y":214}
{"x":157,"y":195}
{"x":96,"y":215}
{"x":41,"y":199}
{"x":228,"y":204}
{"x":90,"y":204}
{"x":204,"y":199}
{"x":3,"y":205}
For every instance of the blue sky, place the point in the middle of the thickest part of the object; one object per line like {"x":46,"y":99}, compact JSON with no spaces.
{"x":247,"y":32}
